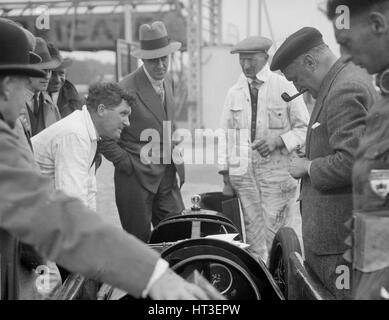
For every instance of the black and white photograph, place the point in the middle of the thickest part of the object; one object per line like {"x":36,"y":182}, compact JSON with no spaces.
{"x":218,"y":150}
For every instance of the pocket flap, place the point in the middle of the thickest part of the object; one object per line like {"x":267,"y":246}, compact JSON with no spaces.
{"x":236,"y":107}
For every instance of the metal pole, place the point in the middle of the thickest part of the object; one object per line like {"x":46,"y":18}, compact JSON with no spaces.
{"x":259,"y":17}
{"x":248,"y":19}
{"x":199,"y":41}
{"x":269,"y":23}
{"x":127,"y":9}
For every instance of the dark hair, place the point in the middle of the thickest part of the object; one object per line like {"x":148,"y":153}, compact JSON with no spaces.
{"x":108,"y":94}
{"x":355,"y":6}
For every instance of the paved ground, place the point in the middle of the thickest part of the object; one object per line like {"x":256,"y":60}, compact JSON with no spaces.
{"x":199,"y":179}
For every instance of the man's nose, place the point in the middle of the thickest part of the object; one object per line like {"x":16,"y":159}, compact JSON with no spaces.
{"x":246,"y":65}
{"x":160,"y":63}
{"x":126,"y":121}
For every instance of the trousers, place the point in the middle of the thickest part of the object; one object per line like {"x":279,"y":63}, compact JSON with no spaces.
{"x":268,"y":196}
{"x":139,"y":208}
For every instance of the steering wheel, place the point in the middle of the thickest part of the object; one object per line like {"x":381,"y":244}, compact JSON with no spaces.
{"x":228,"y":277}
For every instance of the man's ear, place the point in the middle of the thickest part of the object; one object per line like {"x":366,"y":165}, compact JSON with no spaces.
{"x":378,"y":23}
{"x":100,"y":110}
{"x":4,"y":87}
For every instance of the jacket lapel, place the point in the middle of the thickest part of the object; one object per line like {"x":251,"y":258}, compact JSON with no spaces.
{"x":323,"y":93}
{"x":148,"y":96}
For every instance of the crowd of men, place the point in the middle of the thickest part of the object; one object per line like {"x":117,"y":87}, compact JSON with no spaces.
{"x":325,"y":174}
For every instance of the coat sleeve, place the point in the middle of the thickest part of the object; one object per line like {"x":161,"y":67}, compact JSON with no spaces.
{"x":63,"y":230}
{"x":346,"y":113}
{"x":111,"y":150}
{"x":298,"y":119}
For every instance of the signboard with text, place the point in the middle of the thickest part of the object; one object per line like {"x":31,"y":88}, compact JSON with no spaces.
{"x":91,"y":32}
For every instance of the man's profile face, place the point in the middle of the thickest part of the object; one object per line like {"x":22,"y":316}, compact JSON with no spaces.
{"x":301,"y":77}
{"x":16,"y":98}
{"x":362,"y":46}
{"x":252,"y":63}
{"x":115,"y":120}
{"x":40,"y":84}
{"x":157,"y":68}
{"x":57,"y":80}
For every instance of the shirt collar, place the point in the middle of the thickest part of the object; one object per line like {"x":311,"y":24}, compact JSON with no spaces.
{"x":93,"y":134}
{"x":29,"y":95}
{"x":155,"y":83}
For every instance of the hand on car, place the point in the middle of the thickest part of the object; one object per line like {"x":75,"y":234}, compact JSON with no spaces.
{"x":299,"y":167}
{"x":266,"y":146}
{"x":171,"y":286}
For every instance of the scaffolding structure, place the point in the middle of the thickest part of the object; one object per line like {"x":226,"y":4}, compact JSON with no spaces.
{"x":204,"y":27}
{"x":204,"y":19}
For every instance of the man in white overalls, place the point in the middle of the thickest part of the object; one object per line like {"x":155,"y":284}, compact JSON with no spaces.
{"x":263,"y":132}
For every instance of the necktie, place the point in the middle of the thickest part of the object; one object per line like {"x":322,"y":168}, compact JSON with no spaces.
{"x":36,"y":104}
{"x":254,"y":88}
{"x":161,"y":93}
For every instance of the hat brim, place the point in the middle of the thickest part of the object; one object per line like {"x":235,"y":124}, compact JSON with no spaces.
{"x":25,"y":69}
{"x":157,"y":53}
{"x":66,"y":63}
{"x":48,"y":65}
{"x":247,"y":51}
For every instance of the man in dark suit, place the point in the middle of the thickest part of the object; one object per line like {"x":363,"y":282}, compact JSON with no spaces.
{"x":145,"y":177}
{"x":344,"y":93}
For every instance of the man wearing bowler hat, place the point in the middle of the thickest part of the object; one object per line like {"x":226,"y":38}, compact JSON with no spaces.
{"x":61,"y":228}
{"x":344,"y":93}
{"x":146,"y":187}
{"x":264,"y":130}
{"x":40,"y":111}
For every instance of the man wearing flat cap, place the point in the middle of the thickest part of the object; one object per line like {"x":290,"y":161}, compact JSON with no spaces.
{"x":344,"y":93}
{"x":146,"y":186}
{"x":59,"y":227}
{"x":264,"y":130}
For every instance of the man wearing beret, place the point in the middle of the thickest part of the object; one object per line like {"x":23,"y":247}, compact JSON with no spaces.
{"x":269,"y":130}
{"x":344,"y":93}
{"x":59,"y":227}
{"x":366,"y":43}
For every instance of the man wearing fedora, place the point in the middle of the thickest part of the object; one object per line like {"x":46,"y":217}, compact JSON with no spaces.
{"x":147,"y":191}
{"x":63,"y":93}
{"x":40,"y":112}
{"x":61,"y":228}
{"x":273,"y":129}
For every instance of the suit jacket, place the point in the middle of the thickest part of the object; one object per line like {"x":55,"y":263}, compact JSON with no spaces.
{"x":62,"y":229}
{"x":50,"y":113}
{"x":337,"y":123}
{"x":148,"y":118}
